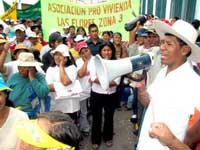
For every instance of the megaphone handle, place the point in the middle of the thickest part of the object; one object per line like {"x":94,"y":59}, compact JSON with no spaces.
{"x":143,"y":77}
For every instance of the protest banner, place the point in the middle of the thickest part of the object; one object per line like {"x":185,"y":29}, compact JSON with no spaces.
{"x":11,"y":13}
{"x":110,"y":15}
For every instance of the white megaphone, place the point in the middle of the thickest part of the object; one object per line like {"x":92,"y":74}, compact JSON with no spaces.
{"x":107,"y":70}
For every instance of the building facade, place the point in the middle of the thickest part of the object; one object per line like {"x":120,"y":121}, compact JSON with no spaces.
{"x":185,"y":9}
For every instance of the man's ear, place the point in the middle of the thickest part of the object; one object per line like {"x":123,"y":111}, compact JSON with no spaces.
{"x":186,"y":50}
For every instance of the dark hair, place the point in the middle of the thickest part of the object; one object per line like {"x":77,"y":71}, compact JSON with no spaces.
{"x":72,"y":26}
{"x":106,"y":32}
{"x":70,"y":61}
{"x":1,"y":26}
{"x":93,"y":25}
{"x":81,"y":28}
{"x":63,"y":128}
{"x":55,"y":36}
{"x":176,"y":18}
{"x":117,"y":33}
{"x":112,"y":47}
{"x":196,"y":23}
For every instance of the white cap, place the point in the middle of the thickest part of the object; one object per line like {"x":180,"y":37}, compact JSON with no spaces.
{"x":19,"y":27}
{"x":80,"y":38}
{"x":63,"y":49}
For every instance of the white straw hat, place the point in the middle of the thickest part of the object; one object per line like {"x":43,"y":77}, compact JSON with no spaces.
{"x":184,"y":31}
{"x":26,"y":59}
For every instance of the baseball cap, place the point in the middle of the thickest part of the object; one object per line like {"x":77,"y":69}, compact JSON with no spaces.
{"x":81,"y":45}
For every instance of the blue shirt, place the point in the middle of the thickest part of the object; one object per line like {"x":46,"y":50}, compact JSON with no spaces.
{"x":23,"y":90}
{"x":94,"y":47}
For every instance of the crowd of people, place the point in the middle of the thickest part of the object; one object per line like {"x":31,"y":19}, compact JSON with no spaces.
{"x":48,"y":88}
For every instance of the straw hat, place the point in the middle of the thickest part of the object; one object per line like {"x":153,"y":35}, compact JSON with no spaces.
{"x":26,"y":59}
{"x":184,"y":31}
{"x":19,"y":47}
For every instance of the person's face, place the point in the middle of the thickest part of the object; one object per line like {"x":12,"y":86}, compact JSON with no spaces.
{"x":33,"y":40}
{"x":55,"y":44}
{"x":106,"y":37}
{"x":58,"y":57}
{"x":94,"y":33}
{"x":19,"y":35}
{"x":80,"y":32}
{"x":117,"y":39}
{"x":172,"y":54}
{"x":72,"y":31}
{"x":140,"y":40}
{"x":3,"y":97}
{"x":106,"y":52}
{"x":24,"y":71}
{"x":66,"y":30}
{"x":85,"y":53}
{"x":156,"y":40}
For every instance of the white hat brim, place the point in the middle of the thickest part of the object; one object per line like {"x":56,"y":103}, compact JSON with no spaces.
{"x":29,"y":64}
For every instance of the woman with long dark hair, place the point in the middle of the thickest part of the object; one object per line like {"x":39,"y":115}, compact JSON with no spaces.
{"x":102,"y":99}
{"x":61,"y":77}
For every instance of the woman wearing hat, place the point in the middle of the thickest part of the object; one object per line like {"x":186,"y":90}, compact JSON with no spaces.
{"x":177,"y":82}
{"x":29,"y":86}
{"x":61,"y":78}
{"x":11,"y":67}
{"x":8,"y":117}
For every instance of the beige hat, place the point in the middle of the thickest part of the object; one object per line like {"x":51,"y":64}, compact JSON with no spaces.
{"x":32,"y":35}
{"x":20,"y":46}
{"x":63,"y":49}
{"x":26,"y":59}
{"x":183,"y":30}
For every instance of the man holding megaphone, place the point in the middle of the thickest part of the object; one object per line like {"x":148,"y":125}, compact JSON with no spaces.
{"x":174,"y":94}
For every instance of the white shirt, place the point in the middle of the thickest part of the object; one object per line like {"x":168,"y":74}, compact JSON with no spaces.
{"x":8,"y":138}
{"x":68,"y":105}
{"x":173,"y":99}
{"x":85,"y":83}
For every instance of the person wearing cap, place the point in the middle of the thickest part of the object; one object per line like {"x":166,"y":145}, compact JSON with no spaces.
{"x":84,"y":65}
{"x":177,"y":82}
{"x":34,"y":40}
{"x":9,"y":68}
{"x":20,"y":37}
{"x":54,"y":40}
{"x":51,"y":130}
{"x":61,"y":77}
{"x":65,"y":31}
{"x":30,"y":89}
{"x":8,"y":117}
